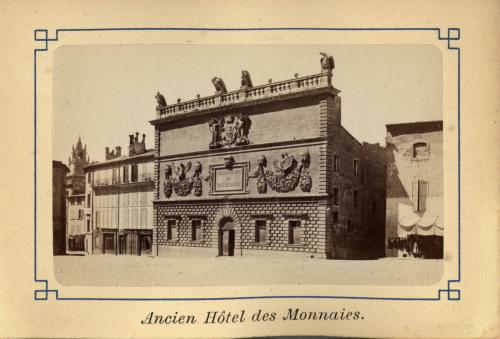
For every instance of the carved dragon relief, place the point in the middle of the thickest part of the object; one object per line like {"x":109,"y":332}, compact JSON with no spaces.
{"x":286,"y":176}
{"x":181,"y":183}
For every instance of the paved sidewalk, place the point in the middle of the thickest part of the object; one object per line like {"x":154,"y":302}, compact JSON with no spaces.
{"x":109,"y":270}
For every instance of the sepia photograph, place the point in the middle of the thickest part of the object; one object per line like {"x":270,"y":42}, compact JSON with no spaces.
{"x":215,"y":165}
{"x":249,"y":169}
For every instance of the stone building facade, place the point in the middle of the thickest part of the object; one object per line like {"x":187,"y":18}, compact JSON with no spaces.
{"x":266,"y":170}
{"x":76,"y":229}
{"x":119,"y":195}
{"x":414,"y":216}
{"x":59,"y":171}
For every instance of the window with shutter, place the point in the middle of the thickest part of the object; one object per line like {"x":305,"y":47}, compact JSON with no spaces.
{"x":125,"y":218}
{"x":134,"y":172}
{"x":144,"y":218}
{"x":419,"y":195}
{"x":422,"y":195}
{"x":414,"y":196}
{"x":134,"y":218}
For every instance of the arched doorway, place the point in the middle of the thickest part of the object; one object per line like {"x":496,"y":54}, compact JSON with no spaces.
{"x":226,"y":236}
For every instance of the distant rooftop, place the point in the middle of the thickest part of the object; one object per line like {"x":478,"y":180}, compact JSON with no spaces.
{"x":415,"y":127}
{"x":124,"y":158}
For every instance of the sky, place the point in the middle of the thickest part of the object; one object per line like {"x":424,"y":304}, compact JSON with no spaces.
{"x":103,"y":93}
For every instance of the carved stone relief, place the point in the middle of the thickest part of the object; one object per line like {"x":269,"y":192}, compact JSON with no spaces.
{"x":181,"y":183}
{"x":286,"y":176}
{"x":229,"y":131}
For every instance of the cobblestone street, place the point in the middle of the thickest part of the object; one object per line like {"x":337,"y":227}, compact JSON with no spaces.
{"x":110,"y":270}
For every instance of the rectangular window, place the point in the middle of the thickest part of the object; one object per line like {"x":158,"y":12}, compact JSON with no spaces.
{"x":196,"y":230}
{"x":420,"y":150}
{"x":125,"y":218}
{"x":350,"y":227}
{"x":260,"y":231}
{"x":335,"y":217}
{"x":134,"y":172}
{"x":125,"y":199}
{"x":355,"y":199}
{"x":419,"y":195}
{"x":144,"y":218}
{"x":336,"y":163}
{"x":116,"y":175}
{"x":114,"y":217}
{"x":125,"y":174}
{"x":355,"y":167}
{"x":144,"y":198}
{"x":294,"y":232}
{"x":80,"y":214}
{"x":88,"y":200}
{"x":171,"y":229}
{"x":133,"y":198}
{"x":134,"y":218}
{"x":88,"y":225}
{"x":143,"y":172}
{"x":336,"y":196}
{"x":98,"y":219}
{"x":88,"y":177}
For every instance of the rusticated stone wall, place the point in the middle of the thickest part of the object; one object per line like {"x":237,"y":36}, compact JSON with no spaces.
{"x":313,"y":216}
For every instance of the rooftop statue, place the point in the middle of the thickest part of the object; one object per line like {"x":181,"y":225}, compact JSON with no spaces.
{"x":246,"y":81}
{"x":327,"y":63}
{"x":160,"y":100}
{"x":220,"y":87}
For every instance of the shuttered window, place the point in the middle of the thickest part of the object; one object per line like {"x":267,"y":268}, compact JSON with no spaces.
{"x":134,"y":218}
{"x":419,"y":195}
{"x":144,"y":218}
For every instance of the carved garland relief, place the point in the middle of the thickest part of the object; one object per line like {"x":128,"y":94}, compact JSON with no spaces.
{"x":181,"y":183}
{"x":286,"y":176}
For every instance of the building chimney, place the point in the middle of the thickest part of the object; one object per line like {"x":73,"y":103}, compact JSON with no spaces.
{"x":144,"y":139}
{"x":118,"y":151}
{"x":107,"y":153}
{"x":136,"y":136}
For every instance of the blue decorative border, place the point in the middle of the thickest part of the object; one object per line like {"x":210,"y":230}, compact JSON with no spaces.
{"x":43,"y":35}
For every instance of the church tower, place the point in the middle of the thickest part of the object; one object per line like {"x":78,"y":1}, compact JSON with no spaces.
{"x":75,"y":180}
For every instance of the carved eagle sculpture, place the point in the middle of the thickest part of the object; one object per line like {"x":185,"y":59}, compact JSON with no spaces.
{"x":220,"y":87}
{"x":160,"y":100}
{"x":327,"y":62}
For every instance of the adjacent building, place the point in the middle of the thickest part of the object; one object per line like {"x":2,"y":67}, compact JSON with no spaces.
{"x":76,"y":229}
{"x":59,"y":171}
{"x":266,"y":170}
{"x":414,"y":217}
{"x":119,"y":195}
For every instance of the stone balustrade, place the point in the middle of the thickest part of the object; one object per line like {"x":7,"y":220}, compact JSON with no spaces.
{"x":295,"y":85}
